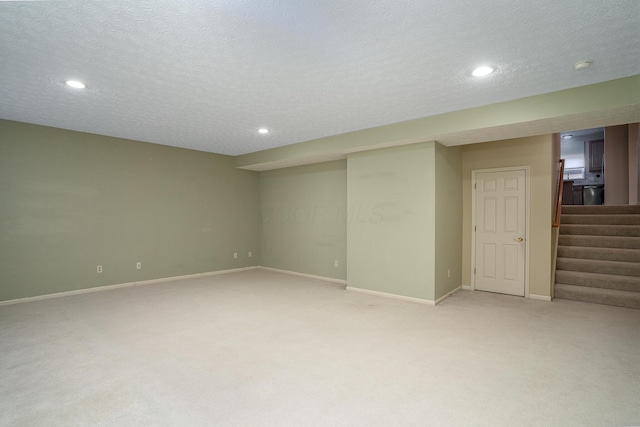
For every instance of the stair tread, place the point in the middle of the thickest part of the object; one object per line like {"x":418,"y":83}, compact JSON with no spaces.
{"x":598,"y":256}
{"x":595,"y":241}
{"x":621,"y":264}
{"x":599,"y":291}
{"x":596,"y":253}
{"x":621,"y":268}
{"x":601,"y":229}
{"x":603,"y":276}
{"x":599,"y":225}
{"x":598,"y":295}
{"x":602,"y":249}
{"x":596,"y":236}
{"x":594,"y":219}
{"x":601,"y":209}
{"x":598,"y":280}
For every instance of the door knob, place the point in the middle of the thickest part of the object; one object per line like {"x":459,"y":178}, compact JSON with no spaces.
{"x":519,"y":239}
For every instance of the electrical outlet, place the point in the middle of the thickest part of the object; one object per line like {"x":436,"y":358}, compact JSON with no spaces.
{"x":336,"y":263}
{"x":138,"y":265}
{"x":235,"y":255}
{"x":449,"y":273}
{"x":250,"y":254}
{"x":99,"y":269}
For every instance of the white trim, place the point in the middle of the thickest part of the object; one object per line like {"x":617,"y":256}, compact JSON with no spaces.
{"x":121,"y":285}
{"x":539,"y":297}
{"x":67,"y":293}
{"x":527,"y":210}
{"x":196,"y":275}
{"x":393,"y":296}
{"x":467,"y":288}
{"x":442,"y":298}
{"x":309,"y":276}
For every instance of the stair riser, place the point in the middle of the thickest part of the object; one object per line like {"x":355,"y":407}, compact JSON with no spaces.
{"x":591,"y":266}
{"x":599,"y":241}
{"x":612,"y":300}
{"x":601,"y":230}
{"x":621,"y":283}
{"x":601,"y":254}
{"x":601,"y":219}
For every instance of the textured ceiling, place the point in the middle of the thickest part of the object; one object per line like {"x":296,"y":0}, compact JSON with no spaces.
{"x":206,"y":74}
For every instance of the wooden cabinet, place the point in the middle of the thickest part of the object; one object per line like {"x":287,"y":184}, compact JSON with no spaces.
{"x":571,"y":194}
{"x":577,"y":194}
{"x":596,"y":155}
{"x":567,"y":192}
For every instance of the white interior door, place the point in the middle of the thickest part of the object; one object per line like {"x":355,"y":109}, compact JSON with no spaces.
{"x":500,"y":226}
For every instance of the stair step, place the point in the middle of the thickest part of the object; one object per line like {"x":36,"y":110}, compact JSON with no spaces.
{"x":598,"y":295}
{"x":596,"y":280}
{"x":602,"y":254}
{"x":601,"y":219}
{"x":601,"y":209}
{"x":596,"y":266}
{"x":601,"y":230}
{"x":599,"y":241}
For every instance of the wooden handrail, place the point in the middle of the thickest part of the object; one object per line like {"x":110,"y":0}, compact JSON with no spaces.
{"x":556,"y":220}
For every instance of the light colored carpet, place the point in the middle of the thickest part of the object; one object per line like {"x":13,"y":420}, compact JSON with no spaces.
{"x":260,"y":348}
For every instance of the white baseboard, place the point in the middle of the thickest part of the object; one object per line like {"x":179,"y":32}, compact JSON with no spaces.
{"x":309,"y":276}
{"x":467,"y":287}
{"x":539,"y":297}
{"x":393,"y":296}
{"x":442,"y":298}
{"x":193,"y":276}
{"x":121,"y":285}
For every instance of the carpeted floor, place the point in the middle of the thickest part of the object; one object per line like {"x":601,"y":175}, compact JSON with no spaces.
{"x":260,"y":348}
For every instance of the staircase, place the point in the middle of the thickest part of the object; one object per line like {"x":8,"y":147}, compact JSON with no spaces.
{"x":599,"y":255}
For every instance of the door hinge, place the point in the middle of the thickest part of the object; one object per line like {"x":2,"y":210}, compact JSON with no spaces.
{"x":475,"y":228}
{"x":475,"y":185}
{"x":474,"y":270}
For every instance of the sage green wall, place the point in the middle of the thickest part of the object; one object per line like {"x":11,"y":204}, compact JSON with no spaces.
{"x":390,"y":237}
{"x":304,"y":214}
{"x":607,"y":103}
{"x":448,"y":228}
{"x":537,"y":153}
{"x":70,"y":201}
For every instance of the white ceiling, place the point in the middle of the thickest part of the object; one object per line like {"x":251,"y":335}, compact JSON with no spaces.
{"x":206,"y":74}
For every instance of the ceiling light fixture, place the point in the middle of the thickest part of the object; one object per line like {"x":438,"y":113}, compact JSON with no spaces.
{"x":263,"y":131}
{"x":485,"y":70}
{"x":581,"y":65}
{"x":568,"y":136}
{"x":75,"y":84}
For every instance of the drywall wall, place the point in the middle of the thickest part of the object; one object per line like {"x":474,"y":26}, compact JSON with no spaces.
{"x":448,"y":219}
{"x":634,"y":162}
{"x":616,"y":172}
{"x":606,"y":103}
{"x":390,"y":234}
{"x":537,"y":153}
{"x":70,"y":201}
{"x":303,"y":215}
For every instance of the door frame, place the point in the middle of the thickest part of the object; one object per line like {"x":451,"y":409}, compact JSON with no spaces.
{"x":527,"y":217}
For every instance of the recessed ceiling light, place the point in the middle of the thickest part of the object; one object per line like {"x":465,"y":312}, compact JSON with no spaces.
{"x":482,"y":71}
{"x":263,"y":131}
{"x":568,"y":136}
{"x":75,"y":84}
{"x":581,"y":65}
